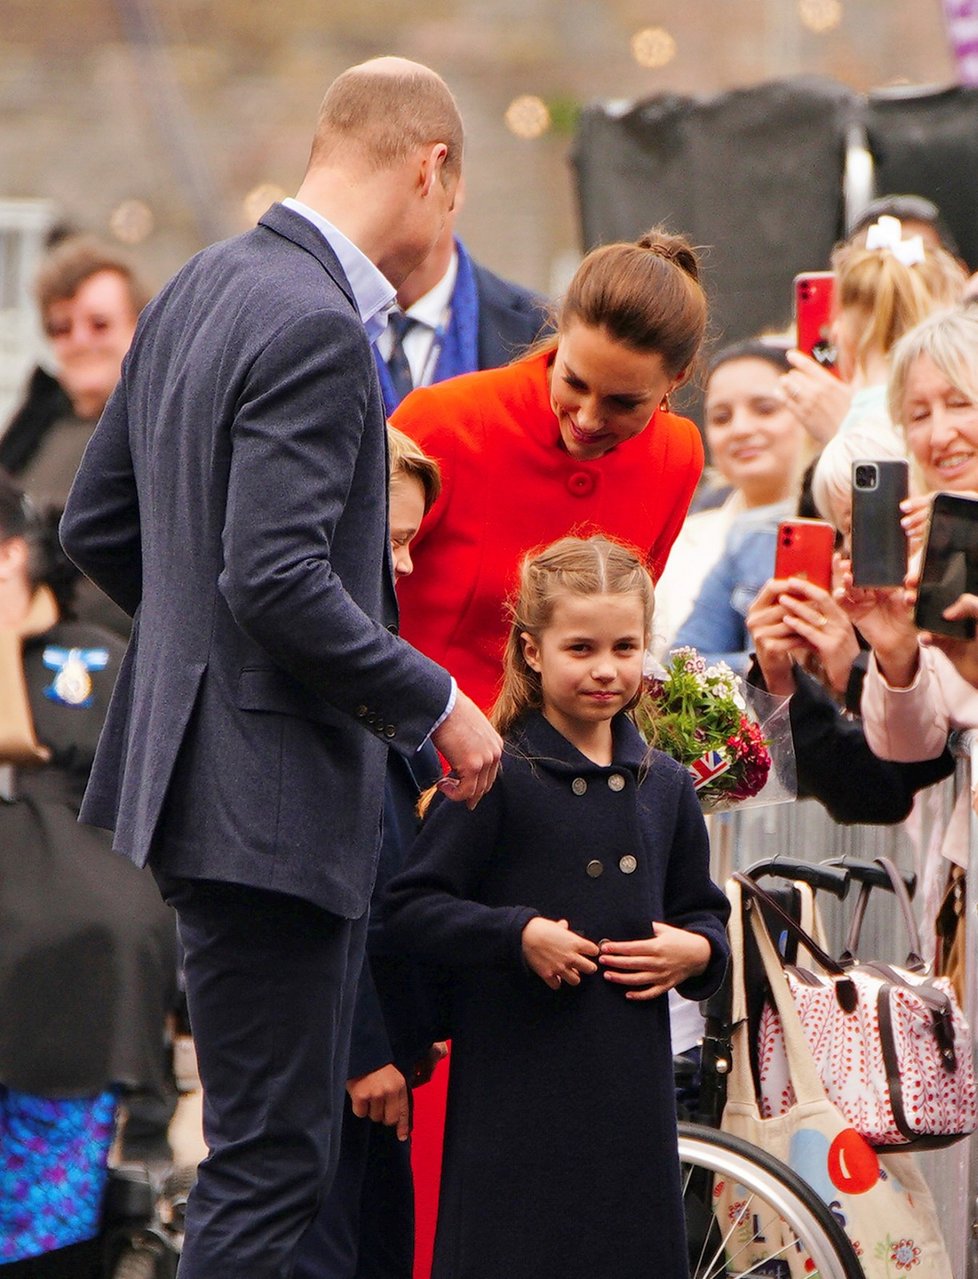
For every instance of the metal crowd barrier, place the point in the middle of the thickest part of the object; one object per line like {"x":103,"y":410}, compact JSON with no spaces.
{"x":803,"y":829}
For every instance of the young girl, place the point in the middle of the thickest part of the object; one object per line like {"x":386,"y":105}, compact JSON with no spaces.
{"x":568,"y":902}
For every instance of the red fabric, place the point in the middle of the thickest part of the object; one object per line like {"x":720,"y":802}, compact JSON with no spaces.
{"x":510,"y":487}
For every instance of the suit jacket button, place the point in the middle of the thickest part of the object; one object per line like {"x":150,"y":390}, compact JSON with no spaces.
{"x":393,"y":629}
{"x":579,"y":786}
{"x":616,"y":781}
{"x":594,"y":868}
{"x":361,"y":711}
{"x":628,"y":864}
{"x":390,"y":730}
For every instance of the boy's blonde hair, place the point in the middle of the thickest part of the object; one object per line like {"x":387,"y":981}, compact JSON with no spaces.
{"x":407,"y":458}
{"x":572,"y":566}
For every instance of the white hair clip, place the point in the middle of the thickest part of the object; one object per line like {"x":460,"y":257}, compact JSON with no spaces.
{"x":887,"y":233}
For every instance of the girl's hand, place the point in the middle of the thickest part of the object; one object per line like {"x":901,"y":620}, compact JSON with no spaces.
{"x":557,"y":954}
{"x":653,"y":965}
{"x":775,"y":644}
{"x":816,"y":616}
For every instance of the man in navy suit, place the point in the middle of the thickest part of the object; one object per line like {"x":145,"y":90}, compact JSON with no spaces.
{"x":233,"y":499}
{"x":455,"y":316}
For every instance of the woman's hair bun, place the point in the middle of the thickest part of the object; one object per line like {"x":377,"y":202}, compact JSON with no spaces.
{"x":674,"y":248}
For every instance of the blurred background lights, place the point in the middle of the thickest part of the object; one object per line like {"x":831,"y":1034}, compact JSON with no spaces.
{"x":260,"y":198}
{"x":820,"y":15}
{"x":653,"y":47}
{"x":132,"y":221}
{"x":528,"y":116}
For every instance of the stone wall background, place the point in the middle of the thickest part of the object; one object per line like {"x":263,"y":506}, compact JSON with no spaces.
{"x":190,"y":105}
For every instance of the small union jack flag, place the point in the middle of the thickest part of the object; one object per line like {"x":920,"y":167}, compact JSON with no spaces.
{"x":709,"y":765}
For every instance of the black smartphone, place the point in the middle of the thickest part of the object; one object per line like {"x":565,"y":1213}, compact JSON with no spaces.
{"x":950,"y":564}
{"x":878,"y":543}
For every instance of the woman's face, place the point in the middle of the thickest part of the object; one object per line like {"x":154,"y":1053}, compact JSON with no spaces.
{"x":602,"y":391}
{"x":941,"y":424}
{"x":755,"y":440}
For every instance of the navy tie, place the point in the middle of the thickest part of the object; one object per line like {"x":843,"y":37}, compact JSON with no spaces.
{"x":397,"y":364}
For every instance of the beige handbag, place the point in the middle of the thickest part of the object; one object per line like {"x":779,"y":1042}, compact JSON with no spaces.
{"x":881,"y":1200}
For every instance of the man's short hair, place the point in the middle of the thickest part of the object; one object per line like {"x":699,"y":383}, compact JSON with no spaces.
{"x":389,"y":114}
{"x":76,"y":259}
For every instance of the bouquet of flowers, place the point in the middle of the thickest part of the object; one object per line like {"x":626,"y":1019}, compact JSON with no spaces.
{"x":700,"y":716}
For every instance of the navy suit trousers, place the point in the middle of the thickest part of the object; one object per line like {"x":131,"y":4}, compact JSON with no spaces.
{"x":271,"y":981}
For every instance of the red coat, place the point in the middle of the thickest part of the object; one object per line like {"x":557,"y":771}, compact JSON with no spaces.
{"x":510,"y":487}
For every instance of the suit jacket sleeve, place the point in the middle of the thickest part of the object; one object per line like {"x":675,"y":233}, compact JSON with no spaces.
{"x":100,"y":526}
{"x":430,"y":909}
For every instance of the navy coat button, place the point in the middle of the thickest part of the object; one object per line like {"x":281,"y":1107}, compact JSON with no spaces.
{"x":361,"y":711}
{"x":581,"y":483}
{"x":594,"y":868}
{"x":616,"y":781}
{"x":390,"y":730}
{"x":579,"y":786}
{"x":628,"y":864}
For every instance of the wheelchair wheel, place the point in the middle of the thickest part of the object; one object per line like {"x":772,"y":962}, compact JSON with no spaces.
{"x":776,"y":1215}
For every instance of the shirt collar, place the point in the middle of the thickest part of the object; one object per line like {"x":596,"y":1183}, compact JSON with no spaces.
{"x":372,"y":291}
{"x":431,"y":309}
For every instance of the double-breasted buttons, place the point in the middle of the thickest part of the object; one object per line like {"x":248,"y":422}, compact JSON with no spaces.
{"x":361,"y":711}
{"x":579,"y":786}
{"x":581,"y":483}
{"x":616,"y":782}
{"x":390,"y":731}
{"x":628,"y":864}
{"x":594,"y":868}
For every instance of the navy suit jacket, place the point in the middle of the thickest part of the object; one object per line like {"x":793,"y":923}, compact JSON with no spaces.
{"x":511,"y":318}
{"x":233,"y":498}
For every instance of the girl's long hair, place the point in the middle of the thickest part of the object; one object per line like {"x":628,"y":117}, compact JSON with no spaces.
{"x":573,"y":566}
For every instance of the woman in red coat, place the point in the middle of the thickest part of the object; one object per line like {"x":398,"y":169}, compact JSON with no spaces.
{"x":574,"y":438}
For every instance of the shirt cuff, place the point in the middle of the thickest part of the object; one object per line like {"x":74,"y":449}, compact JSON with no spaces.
{"x":452,"y":699}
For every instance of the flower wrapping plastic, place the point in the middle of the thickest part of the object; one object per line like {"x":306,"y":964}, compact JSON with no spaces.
{"x":734,"y":739}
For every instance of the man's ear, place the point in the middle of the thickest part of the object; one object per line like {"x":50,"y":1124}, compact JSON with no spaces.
{"x":14,"y":555}
{"x":432,"y":163}
{"x":531,"y":651}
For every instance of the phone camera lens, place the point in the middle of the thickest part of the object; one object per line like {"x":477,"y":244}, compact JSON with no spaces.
{"x":865,"y":477}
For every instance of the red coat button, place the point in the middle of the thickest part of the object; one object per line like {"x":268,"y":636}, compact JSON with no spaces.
{"x":581,"y":483}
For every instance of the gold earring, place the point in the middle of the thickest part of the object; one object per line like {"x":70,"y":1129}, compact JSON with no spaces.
{"x":664,"y":404}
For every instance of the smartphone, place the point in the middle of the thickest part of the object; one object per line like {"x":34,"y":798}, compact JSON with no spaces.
{"x":950,"y":564}
{"x":813,"y":315}
{"x":878,"y":542}
{"x":804,"y":549}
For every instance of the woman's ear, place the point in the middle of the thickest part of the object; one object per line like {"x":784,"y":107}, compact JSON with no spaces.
{"x":531,"y":651}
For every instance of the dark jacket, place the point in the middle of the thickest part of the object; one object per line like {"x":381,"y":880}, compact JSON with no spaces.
{"x":234,"y":498}
{"x":511,"y":318}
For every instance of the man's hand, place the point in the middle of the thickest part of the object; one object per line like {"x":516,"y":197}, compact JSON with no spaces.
{"x":472,"y":747}
{"x":383,"y":1097}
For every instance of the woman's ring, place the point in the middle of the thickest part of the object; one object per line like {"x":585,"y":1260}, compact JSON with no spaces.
{"x":822,"y":619}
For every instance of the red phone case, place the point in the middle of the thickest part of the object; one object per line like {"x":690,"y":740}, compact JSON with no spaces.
{"x":805,"y":549}
{"x":813,"y":315}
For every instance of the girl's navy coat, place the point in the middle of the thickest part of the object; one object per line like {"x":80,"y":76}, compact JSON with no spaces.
{"x":560,"y":1144}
